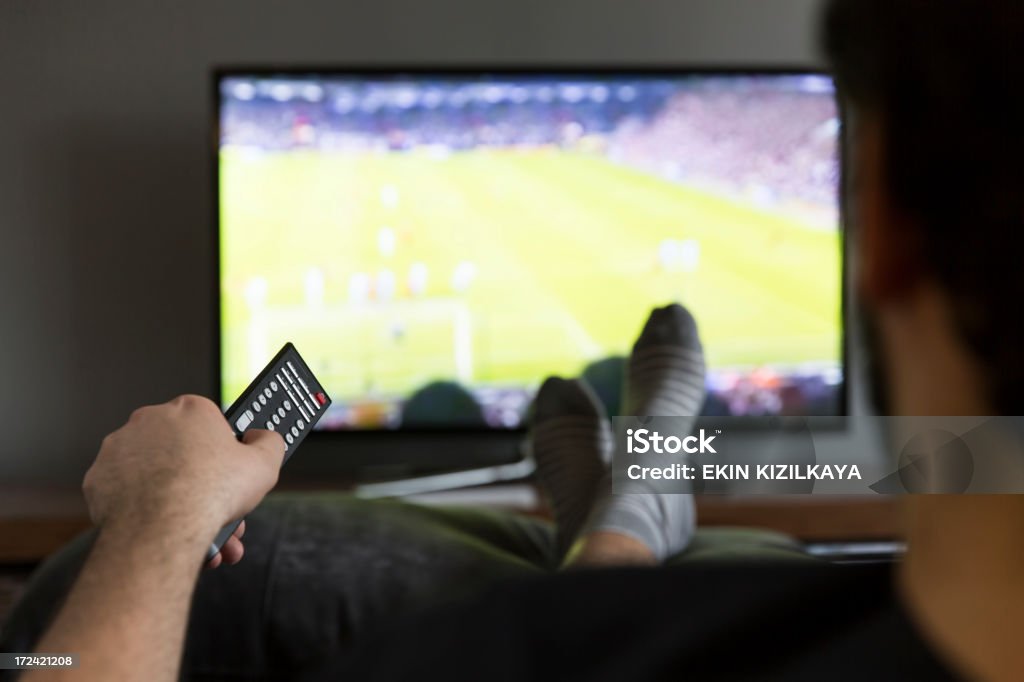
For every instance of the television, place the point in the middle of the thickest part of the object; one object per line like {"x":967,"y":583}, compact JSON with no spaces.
{"x":436,"y":242}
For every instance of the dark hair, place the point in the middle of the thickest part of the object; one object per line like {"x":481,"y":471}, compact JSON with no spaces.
{"x":946,"y":80}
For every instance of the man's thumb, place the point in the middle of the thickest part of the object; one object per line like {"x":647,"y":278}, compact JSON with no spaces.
{"x":269,"y":442}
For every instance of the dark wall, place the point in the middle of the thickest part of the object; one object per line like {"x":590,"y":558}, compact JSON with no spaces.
{"x":105,"y":186}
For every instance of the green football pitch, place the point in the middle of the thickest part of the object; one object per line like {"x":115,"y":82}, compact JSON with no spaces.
{"x":562,"y":257}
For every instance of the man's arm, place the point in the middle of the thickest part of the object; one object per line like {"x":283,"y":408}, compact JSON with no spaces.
{"x":125,"y":616}
{"x":160,"y":489}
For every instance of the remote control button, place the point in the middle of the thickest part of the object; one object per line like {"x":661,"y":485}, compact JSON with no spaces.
{"x":300,"y":401}
{"x":288,"y":437}
{"x":263,"y":399}
{"x":321,"y":398}
{"x":301,"y":424}
{"x":289,"y":392}
{"x":295,"y":432}
{"x":267,"y":392}
{"x":277,"y":420}
{"x":303,"y":384}
{"x":256,"y":406}
{"x":243,"y":422}
{"x":296,"y":375}
{"x":287,"y":405}
{"x":301,"y":396}
{"x":303,"y":412}
{"x":270,"y":425}
{"x":280,"y":412}
{"x":316,"y":406}
{"x":273,"y":386}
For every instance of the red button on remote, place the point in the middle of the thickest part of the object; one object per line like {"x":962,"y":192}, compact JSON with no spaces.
{"x":321,"y":398}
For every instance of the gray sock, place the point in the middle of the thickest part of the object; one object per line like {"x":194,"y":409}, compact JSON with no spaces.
{"x":665,"y":372}
{"x":572,"y":441}
{"x":664,"y":378}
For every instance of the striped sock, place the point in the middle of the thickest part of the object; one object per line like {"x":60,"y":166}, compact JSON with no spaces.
{"x":664,"y":378}
{"x":665,"y":372}
{"x":571,"y":440}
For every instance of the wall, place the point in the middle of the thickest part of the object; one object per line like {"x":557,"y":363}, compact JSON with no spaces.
{"x":105,"y":187}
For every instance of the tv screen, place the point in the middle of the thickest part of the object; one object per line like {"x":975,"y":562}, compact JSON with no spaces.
{"x":437,"y":243}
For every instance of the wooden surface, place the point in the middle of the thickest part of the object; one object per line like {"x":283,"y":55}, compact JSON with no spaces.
{"x":26,"y":541}
{"x":35,"y":522}
{"x":808,"y":517}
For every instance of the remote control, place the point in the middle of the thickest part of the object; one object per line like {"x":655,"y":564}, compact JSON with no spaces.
{"x":285,"y":398}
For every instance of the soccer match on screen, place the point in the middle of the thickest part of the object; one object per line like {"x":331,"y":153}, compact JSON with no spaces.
{"x":467,"y":236}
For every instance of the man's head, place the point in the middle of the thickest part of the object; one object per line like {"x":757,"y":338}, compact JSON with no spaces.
{"x":935,"y":91}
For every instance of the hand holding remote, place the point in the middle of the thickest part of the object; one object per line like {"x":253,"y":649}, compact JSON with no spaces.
{"x":178,"y":467}
{"x":286,"y":398}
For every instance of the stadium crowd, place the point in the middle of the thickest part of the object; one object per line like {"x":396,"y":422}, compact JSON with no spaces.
{"x":705,"y":139}
{"x":694,"y":131}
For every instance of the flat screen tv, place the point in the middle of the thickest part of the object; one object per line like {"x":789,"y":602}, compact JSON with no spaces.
{"x":437,"y":242}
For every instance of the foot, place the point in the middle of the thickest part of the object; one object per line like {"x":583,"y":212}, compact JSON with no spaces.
{"x":664,"y":378}
{"x":572,"y":441}
{"x":665,"y":372}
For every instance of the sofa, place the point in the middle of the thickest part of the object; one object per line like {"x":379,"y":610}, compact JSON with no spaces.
{"x":323,"y":569}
